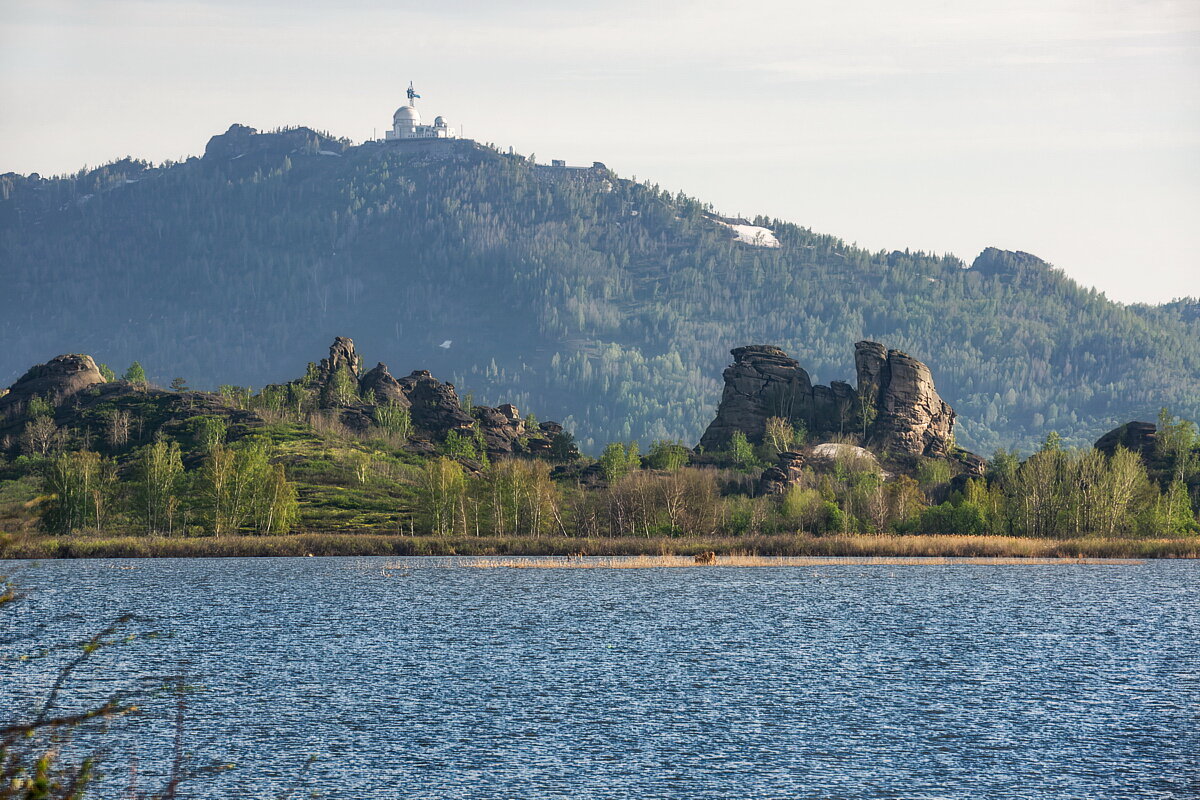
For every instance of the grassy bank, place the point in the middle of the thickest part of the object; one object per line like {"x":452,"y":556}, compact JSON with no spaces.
{"x":333,"y":544}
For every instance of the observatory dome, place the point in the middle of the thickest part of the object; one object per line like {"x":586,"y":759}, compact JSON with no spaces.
{"x":407,"y":115}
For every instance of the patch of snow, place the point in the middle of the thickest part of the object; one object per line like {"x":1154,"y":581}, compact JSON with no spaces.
{"x":751,"y":234}
{"x":329,"y":153}
{"x":446,"y":344}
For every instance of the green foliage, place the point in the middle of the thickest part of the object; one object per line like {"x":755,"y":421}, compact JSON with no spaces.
{"x":562,"y":446}
{"x":135,"y":374}
{"x":741,"y":452}
{"x":1177,"y":442}
{"x":159,"y":471}
{"x":38,"y":407}
{"x":80,"y":486}
{"x":965,"y":519}
{"x":443,"y":490}
{"x":393,"y":418}
{"x":667,"y":454}
{"x":618,"y":460}
{"x":343,"y":388}
{"x":783,"y":434}
{"x":866,"y":412}
{"x":209,"y":433}
{"x":514,"y":497}
{"x":238,"y":487}
{"x":460,"y":445}
{"x":178,"y":385}
{"x":932,"y":472}
{"x":106,"y":372}
{"x":236,"y":396}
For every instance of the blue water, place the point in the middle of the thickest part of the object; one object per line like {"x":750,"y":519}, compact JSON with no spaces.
{"x":405,"y":678}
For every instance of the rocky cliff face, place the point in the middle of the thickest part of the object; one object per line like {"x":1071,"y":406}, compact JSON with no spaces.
{"x":54,"y":381}
{"x":895,"y":397}
{"x":910,"y":418}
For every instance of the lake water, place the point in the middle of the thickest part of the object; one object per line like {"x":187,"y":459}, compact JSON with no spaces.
{"x":406,"y":678}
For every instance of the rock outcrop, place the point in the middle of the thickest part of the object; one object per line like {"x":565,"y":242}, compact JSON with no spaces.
{"x":994,"y":261}
{"x":895,"y":394}
{"x":242,"y":140}
{"x":1140,"y":437}
{"x":783,"y":476}
{"x":434,"y":406}
{"x":380,"y":385}
{"x":54,"y":381}
{"x":764,"y":382}
{"x":910,"y":418}
{"x":341,"y":354}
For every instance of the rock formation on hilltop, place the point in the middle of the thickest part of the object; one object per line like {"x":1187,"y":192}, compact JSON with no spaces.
{"x":242,"y":140}
{"x":434,"y":406}
{"x":994,"y":261}
{"x":895,"y":401}
{"x":54,"y":381}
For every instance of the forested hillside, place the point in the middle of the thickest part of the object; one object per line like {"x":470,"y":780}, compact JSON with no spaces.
{"x":603,"y":302}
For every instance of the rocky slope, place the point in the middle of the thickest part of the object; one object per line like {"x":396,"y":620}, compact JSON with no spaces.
{"x":83,"y":404}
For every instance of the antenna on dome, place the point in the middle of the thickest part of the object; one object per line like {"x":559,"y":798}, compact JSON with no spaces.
{"x":412,"y":94}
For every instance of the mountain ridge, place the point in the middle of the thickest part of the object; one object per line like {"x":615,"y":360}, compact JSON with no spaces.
{"x":574,"y":289}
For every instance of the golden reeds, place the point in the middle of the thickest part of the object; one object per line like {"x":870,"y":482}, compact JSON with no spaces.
{"x":659,"y":562}
{"x":724,"y":549}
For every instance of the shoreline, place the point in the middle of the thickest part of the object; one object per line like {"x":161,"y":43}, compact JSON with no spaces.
{"x":845,"y":545}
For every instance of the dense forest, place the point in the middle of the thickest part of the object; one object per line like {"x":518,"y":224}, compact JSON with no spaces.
{"x":607,"y":303}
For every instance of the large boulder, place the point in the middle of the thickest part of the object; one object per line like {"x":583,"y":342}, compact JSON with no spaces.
{"x":829,"y":454}
{"x":54,"y":381}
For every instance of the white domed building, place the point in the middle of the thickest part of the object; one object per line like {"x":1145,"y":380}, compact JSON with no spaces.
{"x":406,"y":123}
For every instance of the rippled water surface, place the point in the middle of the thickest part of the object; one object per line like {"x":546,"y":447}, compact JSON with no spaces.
{"x":413,"y":679}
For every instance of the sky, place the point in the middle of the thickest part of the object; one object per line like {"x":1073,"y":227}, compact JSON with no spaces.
{"x":1070,"y":130}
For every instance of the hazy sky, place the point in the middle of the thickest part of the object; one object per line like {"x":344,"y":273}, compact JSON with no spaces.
{"x":1067,"y":129}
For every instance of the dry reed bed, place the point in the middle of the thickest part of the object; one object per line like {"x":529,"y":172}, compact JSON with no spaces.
{"x":658,"y":562}
{"x":803,"y":546}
